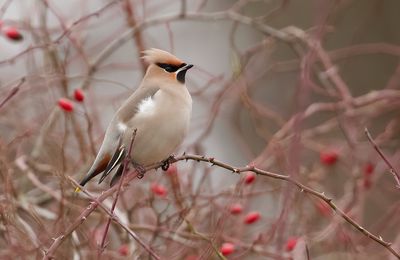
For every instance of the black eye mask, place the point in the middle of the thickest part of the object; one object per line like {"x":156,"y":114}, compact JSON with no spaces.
{"x":169,"y":67}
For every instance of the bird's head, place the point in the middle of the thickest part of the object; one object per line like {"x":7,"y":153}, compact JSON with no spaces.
{"x":165,"y":66}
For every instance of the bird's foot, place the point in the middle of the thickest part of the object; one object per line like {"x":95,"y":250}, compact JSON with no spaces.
{"x":167,"y":162}
{"x":141,"y":170}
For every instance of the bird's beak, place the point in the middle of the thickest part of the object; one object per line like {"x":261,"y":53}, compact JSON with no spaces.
{"x":180,"y":74}
{"x":186,"y":67}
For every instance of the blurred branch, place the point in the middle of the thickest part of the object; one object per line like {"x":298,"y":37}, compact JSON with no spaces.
{"x":116,"y":219}
{"x":12,"y":92}
{"x":137,"y":36}
{"x":205,"y":238}
{"x":302,"y":187}
{"x":183,"y":8}
{"x":82,"y":217}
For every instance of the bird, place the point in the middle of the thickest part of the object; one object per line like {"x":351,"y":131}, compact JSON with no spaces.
{"x":159,"y":110}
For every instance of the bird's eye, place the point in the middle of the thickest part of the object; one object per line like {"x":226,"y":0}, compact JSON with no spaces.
{"x":168,"y":67}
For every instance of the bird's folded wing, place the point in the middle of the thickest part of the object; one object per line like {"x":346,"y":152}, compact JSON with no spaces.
{"x":117,"y":159}
{"x":131,"y":106}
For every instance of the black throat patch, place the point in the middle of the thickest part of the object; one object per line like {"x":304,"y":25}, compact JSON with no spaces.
{"x":181,"y":76}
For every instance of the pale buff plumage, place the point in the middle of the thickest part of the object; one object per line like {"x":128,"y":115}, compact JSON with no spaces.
{"x":159,"y":109}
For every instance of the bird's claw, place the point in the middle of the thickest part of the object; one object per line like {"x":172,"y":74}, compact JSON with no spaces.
{"x":166,"y":163}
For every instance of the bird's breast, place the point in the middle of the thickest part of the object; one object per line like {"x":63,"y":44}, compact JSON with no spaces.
{"x":147,"y":106}
{"x":162,"y":122}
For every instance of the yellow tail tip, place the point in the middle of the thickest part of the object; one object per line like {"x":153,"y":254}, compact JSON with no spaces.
{"x":78,"y":189}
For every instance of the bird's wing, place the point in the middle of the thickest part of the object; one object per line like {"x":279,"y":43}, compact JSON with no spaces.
{"x":117,"y":159}
{"x":113,"y":150}
{"x":130,"y":108}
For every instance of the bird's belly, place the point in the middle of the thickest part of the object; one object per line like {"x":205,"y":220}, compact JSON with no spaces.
{"x":158,"y":136}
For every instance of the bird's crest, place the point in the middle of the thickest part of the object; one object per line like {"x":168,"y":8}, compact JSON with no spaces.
{"x":154,"y":55}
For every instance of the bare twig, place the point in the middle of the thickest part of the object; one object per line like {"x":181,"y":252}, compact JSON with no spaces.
{"x":137,"y":36}
{"x":117,"y":220}
{"x":12,"y":93}
{"x":49,"y":254}
{"x":391,"y":168}
{"x":303,"y":188}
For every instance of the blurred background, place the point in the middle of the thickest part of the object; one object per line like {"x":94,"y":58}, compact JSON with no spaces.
{"x":286,"y":86}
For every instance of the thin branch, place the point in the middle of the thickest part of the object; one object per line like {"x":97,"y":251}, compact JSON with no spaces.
{"x":49,"y":254}
{"x":117,"y":220}
{"x":12,"y":93}
{"x":137,"y":36}
{"x":303,"y":188}
{"x":391,"y":168}
{"x":125,"y":169}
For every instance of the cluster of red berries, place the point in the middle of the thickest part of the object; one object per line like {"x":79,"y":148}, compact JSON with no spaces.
{"x":236,"y":209}
{"x":250,"y":218}
{"x":329,"y":157}
{"x":228,"y":248}
{"x":67,"y":105}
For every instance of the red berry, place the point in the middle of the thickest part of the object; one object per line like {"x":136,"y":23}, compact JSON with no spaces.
{"x":236,"y":209}
{"x":172,"y":169}
{"x":79,"y":95}
{"x":159,"y":189}
{"x":252,"y":217}
{"x":65,"y":104}
{"x":323,"y":209}
{"x":328,"y":157}
{"x":227,"y":248}
{"x":123,"y":250}
{"x":13,"y":34}
{"x":291,"y":243}
{"x":249,"y":177}
{"x":369,"y":169}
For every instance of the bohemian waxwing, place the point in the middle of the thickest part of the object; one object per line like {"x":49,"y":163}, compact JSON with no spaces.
{"x":159,"y":109}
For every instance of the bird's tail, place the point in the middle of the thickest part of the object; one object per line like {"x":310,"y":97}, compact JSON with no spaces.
{"x":106,"y":164}
{"x":115,"y":161}
{"x":99,"y":165}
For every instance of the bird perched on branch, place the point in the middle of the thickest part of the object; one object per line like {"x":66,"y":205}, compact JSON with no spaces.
{"x":159,"y":109}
